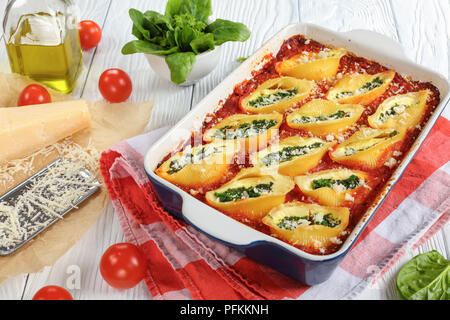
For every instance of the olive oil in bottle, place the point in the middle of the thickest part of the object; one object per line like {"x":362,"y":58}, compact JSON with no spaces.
{"x":45,"y":46}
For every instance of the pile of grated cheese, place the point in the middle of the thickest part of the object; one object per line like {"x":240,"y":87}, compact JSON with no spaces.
{"x":42,"y":201}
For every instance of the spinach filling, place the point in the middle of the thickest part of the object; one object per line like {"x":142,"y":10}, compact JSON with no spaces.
{"x":337,"y":115}
{"x":371,"y":85}
{"x":328,"y":220}
{"x":191,"y":158}
{"x":288,"y":153}
{"x":368,"y":86}
{"x":245,"y":130}
{"x":235,"y":194}
{"x":350,"y":183}
{"x":267,"y":100}
{"x":393,"y":111}
{"x":344,"y":94}
{"x":349,"y":151}
{"x":293,"y":222}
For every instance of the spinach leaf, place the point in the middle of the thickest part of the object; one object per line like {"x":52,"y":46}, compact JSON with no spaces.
{"x":425,"y":277}
{"x":200,"y":9}
{"x":180,"y":65}
{"x":184,"y":37}
{"x":182,"y":29}
{"x":138,"y":22}
{"x":147,"y":47}
{"x":203,"y":43}
{"x":225,"y":30}
{"x":159,"y":21}
{"x":241,"y":59}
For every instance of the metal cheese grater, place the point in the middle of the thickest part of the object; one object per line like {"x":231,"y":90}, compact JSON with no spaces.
{"x":82,"y":180}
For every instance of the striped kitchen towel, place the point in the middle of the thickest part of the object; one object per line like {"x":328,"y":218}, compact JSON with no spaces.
{"x":185,"y":264}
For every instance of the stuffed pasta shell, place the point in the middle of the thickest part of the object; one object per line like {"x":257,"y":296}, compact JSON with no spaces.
{"x":292,"y":156}
{"x":402,"y":111}
{"x":318,"y":66}
{"x":360,"y":88}
{"x":335,"y":187}
{"x":252,"y":131}
{"x":324,"y":117}
{"x":251,"y":194}
{"x":277,"y":94}
{"x":198,"y":166}
{"x":308,"y":225}
{"x":368,"y":148}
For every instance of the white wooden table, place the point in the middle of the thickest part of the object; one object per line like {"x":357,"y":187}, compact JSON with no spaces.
{"x":422,"y":27}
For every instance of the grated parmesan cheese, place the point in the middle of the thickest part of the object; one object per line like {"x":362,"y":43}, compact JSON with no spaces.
{"x":390,"y":163}
{"x":45,"y":199}
{"x":349,"y":197}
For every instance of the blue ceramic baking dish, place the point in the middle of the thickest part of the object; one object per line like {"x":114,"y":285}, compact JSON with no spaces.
{"x":304,"y":267}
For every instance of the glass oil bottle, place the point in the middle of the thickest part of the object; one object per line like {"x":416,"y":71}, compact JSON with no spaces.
{"x":42,"y":41}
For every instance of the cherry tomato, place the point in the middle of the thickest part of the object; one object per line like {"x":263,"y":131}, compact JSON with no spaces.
{"x":123,"y":266}
{"x":115,"y":85}
{"x":52,"y":293}
{"x":90,"y":34}
{"x":34,"y":94}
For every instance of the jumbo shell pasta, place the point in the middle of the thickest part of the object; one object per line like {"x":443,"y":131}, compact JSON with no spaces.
{"x":312,"y":66}
{"x":199,"y":166}
{"x":335,"y":187}
{"x":360,"y":88}
{"x":292,"y":156}
{"x":277,"y":94}
{"x":308,"y":225}
{"x":253,"y":132}
{"x":324,"y":117}
{"x":401,"y":111}
{"x":368,"y":148}
{"x":252,"y":193}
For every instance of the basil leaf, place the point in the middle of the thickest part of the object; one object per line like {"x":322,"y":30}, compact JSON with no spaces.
{"x":180,"y":65}
{"x":140,"y":46}
{"x":203,"y":43}
{"x":225,"y":30}
{"x":200,"y":9}
{"x":425,"y":277}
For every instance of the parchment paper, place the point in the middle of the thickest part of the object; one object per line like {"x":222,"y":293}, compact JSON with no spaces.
{"x":111,"y":123}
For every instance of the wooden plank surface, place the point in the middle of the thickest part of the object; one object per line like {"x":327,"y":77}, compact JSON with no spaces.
{"x":420,"y":27}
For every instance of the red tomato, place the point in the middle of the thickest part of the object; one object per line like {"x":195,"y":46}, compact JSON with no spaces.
{"x":115,"y":85}
{"x":123,"y":266}
{"x":52,"y":293}
{"x":90,"y":34}
{"x":34,"y":94}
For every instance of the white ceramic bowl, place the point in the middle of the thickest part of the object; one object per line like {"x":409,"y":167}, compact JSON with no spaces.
{"x":205,"y":63}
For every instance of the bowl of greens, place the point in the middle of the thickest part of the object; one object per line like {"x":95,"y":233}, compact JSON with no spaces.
{"x":183,"y":45}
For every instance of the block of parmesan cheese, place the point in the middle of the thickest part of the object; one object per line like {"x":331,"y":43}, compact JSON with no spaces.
{"x":25,"y":130}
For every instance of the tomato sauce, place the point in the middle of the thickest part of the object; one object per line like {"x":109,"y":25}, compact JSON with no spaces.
{"x":349,"y":64}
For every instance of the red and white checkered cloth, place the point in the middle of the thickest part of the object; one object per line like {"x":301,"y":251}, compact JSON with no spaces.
{"x":185,"y":264}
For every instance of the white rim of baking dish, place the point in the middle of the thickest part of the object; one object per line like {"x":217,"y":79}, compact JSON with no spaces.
{"x":368,"y":44}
